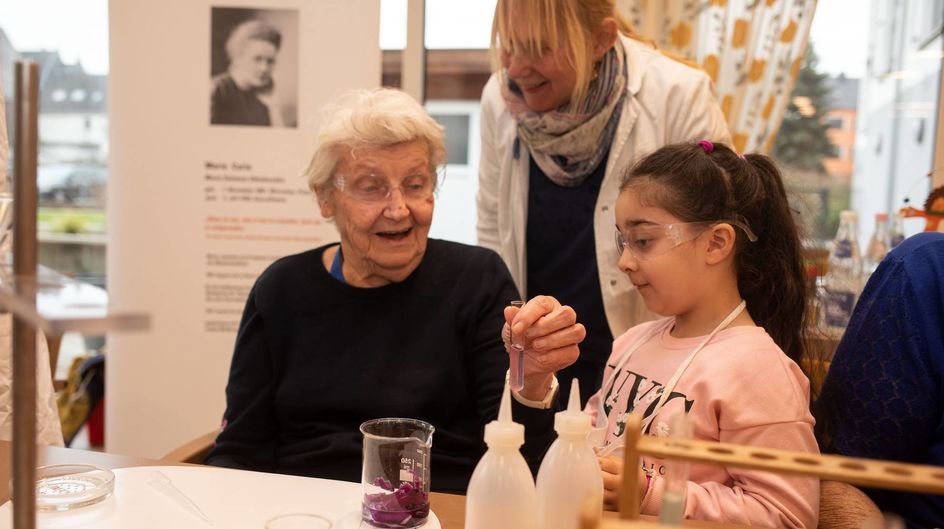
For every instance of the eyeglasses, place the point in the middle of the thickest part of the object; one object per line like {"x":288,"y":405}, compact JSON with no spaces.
{"x":374,"y":189}
{"x":648,"y":241}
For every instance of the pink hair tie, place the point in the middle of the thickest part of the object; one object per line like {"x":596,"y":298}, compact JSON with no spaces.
{"x":741,"y":156}
{"x":707,"y":145}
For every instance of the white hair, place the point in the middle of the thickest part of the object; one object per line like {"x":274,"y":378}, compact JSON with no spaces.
{"x":253,"y":29}
{"x":372,"y":118}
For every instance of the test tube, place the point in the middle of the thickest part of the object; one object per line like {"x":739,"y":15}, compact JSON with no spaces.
{"x":676,"y":482}
{"x":516,"y":362}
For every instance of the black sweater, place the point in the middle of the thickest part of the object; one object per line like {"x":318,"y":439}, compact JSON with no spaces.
{"x":315,"y":357}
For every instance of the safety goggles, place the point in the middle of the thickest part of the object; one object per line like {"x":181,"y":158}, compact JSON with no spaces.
{"x":648,"y":241}
{"x":370,"y":188}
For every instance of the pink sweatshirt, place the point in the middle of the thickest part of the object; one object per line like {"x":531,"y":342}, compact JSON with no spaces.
{"x":742,"y":389}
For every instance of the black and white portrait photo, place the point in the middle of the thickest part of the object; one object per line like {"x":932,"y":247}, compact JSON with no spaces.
{"x":254,"y":67}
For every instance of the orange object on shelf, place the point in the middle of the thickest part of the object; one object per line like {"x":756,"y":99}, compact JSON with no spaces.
{"x":933,"y":211}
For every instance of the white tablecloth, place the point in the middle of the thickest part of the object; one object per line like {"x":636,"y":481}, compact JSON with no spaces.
{"x":232,"y":499}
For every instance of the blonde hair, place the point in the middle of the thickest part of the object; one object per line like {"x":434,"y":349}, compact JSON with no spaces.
{"x":381,"y":117}
{"x":556,"y":23}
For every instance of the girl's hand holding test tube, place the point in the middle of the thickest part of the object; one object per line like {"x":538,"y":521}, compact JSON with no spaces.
{"x":547,"y":333}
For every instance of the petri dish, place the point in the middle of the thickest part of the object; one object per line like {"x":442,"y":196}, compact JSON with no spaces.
{"x":66,"y":487}
{"x":298,"y":521}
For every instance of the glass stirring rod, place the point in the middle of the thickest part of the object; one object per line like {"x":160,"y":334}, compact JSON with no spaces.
{"x":516,"y":362}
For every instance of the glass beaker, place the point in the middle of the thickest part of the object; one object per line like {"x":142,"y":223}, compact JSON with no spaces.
{"x":395,"y":474}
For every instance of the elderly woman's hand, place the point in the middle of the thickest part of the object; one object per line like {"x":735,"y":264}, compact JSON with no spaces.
{"x":551,"y":336}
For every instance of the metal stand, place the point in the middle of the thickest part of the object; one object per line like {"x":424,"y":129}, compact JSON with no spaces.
{"x":24,"y":265}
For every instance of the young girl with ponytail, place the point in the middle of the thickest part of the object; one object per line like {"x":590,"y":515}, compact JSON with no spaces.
{"x":709,"y":240}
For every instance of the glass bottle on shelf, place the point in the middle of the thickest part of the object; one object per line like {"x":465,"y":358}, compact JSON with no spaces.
{"x":844,"y":279}
{"x":897,"y":232}
{"x":879,"y":244}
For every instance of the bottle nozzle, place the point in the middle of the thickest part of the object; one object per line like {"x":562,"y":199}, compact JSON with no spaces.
{"x":573,"y":404}
{"x":504,"y":409}
{"x":504,"y":431}
{"x":573,"y":421}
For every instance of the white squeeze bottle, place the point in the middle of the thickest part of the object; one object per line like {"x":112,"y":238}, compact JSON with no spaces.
{"x":501,"y":491}
{"x":570,"y":473}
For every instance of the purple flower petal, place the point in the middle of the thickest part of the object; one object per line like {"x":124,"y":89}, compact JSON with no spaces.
{"x":404,"y":507}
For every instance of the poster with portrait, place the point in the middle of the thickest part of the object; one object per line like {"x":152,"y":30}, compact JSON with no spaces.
{"x":213,"y":109}
{"x":253,"y":67}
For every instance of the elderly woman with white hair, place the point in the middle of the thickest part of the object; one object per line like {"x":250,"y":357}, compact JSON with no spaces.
{"x":388,"y":323}
{"x":244,"y":94}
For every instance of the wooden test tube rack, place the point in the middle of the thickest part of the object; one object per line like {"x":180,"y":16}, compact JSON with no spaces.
{"x":872,"y":473}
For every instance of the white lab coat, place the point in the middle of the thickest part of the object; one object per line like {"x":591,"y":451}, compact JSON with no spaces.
{"x":666,"y":102}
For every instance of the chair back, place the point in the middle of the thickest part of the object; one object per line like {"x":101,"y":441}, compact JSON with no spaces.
{"x":193,"y":451}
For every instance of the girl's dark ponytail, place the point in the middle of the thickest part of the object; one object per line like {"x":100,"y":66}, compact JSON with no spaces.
{"x":774,"y":279}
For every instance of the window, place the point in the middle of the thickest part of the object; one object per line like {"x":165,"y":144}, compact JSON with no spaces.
{"x":884,"y":74}
{"x":887,"y":33}
{"x":460,"y":182}
{"x":929,"y":21}
{"x":457,"y":137}
{"x":457,"y":36}
{"x":71,"y":49}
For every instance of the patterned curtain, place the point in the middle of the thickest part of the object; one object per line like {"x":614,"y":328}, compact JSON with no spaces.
{"x":752,"y":49}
